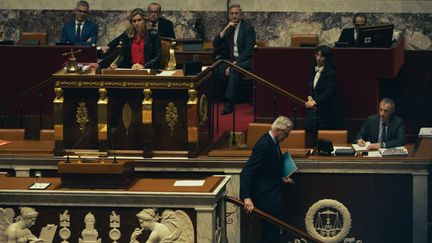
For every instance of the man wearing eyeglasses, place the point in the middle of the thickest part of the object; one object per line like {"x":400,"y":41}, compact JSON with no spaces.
{"x":80,"y":31}
{"x":162,"y":25}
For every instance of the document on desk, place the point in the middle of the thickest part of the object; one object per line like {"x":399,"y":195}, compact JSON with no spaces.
{"x":166,"y":73}
{"x":373,"y":154}
{"x":189,"y":183}
{"x":358,"y":148}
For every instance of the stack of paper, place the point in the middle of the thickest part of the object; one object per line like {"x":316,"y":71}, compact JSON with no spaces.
{"x":358,"y":148}
{"x":425,"y":132}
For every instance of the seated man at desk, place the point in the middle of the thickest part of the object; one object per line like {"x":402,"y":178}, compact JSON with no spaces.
{"x":349,"y":35}
{"x":383,"y":130}
{"x":80,"y":31}
{"x":154,"y":13}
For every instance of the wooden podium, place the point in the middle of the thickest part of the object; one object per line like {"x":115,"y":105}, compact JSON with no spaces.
{"x":102,"y":174}
{"x":134,"y":114}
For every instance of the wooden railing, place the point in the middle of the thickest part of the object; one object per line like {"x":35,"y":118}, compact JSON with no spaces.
{"x":279,"y":223}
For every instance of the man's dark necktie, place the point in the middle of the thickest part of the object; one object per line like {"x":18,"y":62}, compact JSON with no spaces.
{"x":384,"y":133}
{"x":78,"y":33}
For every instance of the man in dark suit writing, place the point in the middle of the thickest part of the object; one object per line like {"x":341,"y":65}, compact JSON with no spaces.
{"x":234,"y":43}
{"x":383,"y":130}
{"x":80,"y":31}
{"x":261,"y":179}
{"x":349,"y":35}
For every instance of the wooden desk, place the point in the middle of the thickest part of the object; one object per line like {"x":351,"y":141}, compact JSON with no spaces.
{"x":151,"y":114}
{"x":204,"y":205}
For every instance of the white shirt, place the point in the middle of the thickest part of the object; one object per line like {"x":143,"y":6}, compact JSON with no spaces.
{"x":81,"y":26}
{"x":318,"y":71}
{"x":271,"y":135}
{"x":237,"y":27}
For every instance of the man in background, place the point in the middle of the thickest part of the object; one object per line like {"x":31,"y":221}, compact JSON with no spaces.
{"x":80,"y":31}
{"x":262,"y":178}
{"x":162,"y":25}
{"x":383,"y":130}
{"x":349,"y":35}
{"x":234,"y":43}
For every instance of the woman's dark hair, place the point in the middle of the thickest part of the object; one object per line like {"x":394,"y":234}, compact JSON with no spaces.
{"x":328,"y":54}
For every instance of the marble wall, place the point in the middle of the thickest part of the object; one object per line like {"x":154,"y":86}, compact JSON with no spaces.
{"x":204,"y":19}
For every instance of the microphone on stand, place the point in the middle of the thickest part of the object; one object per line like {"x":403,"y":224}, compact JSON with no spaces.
{"x":78,"y":142}
{"x":112,"y":131}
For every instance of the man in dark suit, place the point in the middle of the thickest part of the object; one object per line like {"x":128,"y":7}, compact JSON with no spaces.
{"x":80,"y":31}
{"x":162,"y":25}
{"x":349,"y":35}
{"x":261,"y":179}
{"x":234,"y":43}
{"x":383,"y":130}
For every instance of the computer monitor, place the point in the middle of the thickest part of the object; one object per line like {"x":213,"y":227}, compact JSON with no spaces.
{"x":375,"y":36}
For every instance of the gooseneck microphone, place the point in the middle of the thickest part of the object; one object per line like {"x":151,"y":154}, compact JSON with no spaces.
{"x":78,"y":142}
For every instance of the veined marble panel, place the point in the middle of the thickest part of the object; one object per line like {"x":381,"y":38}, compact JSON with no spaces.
{"x":275,"y":27}
{"x":386,"y":6}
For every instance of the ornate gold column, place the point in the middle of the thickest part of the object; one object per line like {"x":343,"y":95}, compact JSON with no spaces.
{"x":172,"y":60}
{"x":102,"y":116}
{"x":192,"y":115}
{"x":147,"y":123}
{"x":58,"y":122}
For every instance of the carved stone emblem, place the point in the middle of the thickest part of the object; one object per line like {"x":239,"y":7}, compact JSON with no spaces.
{"x":328,"y":220}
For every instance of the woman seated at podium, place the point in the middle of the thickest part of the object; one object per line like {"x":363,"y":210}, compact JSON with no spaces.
{"x":323,"y":94}
{"x":141,"y":44}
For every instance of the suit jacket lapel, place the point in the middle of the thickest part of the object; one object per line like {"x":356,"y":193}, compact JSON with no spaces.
{"x":240,"y":37}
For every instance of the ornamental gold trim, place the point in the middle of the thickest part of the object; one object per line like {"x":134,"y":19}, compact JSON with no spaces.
{"x":203,"y":110}
{"x":127,"y":117}
{"x":82,"y":116}
{"x":171,"y":116}
{"x":128,"y":84}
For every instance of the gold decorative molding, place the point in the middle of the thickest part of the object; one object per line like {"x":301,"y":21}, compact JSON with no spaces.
{"x":59,"y":99}
{"x":82,"y":116}
{"x":102,"y":111}
{"x":127,"y":117}
{"x":192,"y":97}
{"x":172,"y":60}
{"x":171,"y":116}
{"x":147,"y":107}
{"x":203,"y":110}
{"x":103,"y":96}
{"x":189,"y":84}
